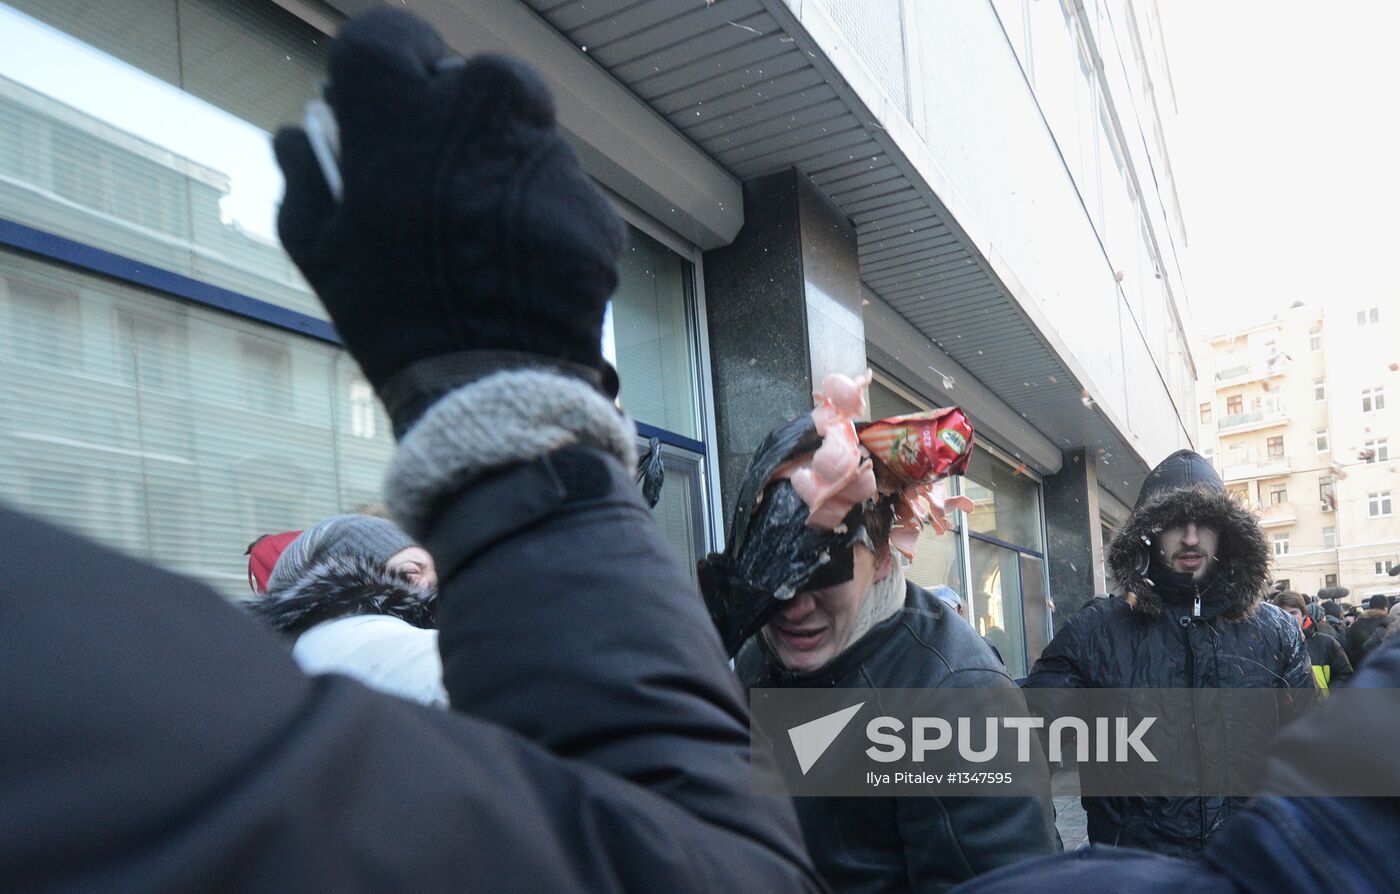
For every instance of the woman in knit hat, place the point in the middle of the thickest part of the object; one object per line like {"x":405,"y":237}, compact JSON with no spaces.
{"x":357,"y":595}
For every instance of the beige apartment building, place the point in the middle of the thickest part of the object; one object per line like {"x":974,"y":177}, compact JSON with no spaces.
{"x":1301,"y":416}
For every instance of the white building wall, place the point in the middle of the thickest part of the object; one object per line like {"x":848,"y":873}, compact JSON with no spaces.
{"x":1006,"y":98}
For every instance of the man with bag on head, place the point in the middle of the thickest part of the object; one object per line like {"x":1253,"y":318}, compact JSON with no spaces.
{"x":848,"y":619}
{"x":1194,"y":568}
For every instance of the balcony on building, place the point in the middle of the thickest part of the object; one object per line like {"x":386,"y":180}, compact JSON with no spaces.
{"x":1273,"y":467}
{"x":1237,"y":423}
{"x":1273,"y":368}
{"x":1276,"y":514}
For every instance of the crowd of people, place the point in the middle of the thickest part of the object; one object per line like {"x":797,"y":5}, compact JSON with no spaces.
{"x":510,"y":684}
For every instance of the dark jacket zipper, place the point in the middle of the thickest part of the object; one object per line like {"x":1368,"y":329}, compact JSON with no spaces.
{"x":1195,"y":714}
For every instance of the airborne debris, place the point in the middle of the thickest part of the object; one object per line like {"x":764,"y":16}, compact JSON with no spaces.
{"x":947,"y":379}
{"x":1086,"y":400}
{"x":746,"y":28}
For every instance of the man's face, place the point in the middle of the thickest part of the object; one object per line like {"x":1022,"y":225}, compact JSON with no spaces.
{"x":815,"y":626}
{"x":1188,"y":549}
{"x":1346,"y":622}
{"x":1297,"y":616}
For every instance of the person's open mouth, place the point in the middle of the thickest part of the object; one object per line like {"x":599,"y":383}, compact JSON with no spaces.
{"x":802,"y":639}
{"x":1190,"y":561}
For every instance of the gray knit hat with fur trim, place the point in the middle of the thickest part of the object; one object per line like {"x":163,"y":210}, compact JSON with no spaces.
{"x":359,"y":536}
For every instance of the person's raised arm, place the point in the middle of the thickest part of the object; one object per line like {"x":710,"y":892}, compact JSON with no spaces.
{"x":467,"y":268}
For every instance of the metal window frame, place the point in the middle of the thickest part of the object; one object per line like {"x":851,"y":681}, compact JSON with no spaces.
{"x":81,"y":256}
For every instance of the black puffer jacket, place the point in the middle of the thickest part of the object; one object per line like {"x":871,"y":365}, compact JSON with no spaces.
{"x":909,"y":844}
{"x":1359,"y":634}
{"x":1144,"y":639}
{"x":1331,"y":667}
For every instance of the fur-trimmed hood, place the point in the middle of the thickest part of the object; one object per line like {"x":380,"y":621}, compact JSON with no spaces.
{"x":342,"y":586}
{"x":1241,"y":578}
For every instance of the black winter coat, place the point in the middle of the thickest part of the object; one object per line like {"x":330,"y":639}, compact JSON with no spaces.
{"x":1360,"y":632}
{"x":1143,"y":639}
{"x":1331,"y":667}
{"x":1336,"y":629}
{"x":1319,"y":844}
{"x":158,"y":739}
{"x":912,"y":843}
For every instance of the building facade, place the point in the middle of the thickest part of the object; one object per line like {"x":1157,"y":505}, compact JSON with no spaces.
{"x":973,"y":197}
{"x":1299,"y":426}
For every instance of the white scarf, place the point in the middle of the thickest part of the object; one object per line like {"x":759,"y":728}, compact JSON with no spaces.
{"x":886,"y":597}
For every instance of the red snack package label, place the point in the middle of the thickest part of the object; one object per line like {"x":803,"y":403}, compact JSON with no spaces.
{"x":921,"y":447}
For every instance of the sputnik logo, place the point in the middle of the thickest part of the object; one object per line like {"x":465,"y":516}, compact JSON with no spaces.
{"x":810,"y":740}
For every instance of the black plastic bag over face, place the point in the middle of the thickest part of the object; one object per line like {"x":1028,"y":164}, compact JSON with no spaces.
{"x":772,"y":554}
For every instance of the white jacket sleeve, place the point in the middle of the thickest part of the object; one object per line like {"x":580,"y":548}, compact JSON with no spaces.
{"x":383,"y":652}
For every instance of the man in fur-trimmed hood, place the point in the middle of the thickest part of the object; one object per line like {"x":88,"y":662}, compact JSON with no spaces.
{"x":1193,"y":570}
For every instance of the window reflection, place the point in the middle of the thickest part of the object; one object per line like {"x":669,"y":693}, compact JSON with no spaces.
{"x":651,"y":337}
{"x":170,"y":433}
{"x":938,"y":562}
{"x":1007,"y":502}
{"x":680,"y":512}
{"x":104,"y":151}
{"x":997,"y":601}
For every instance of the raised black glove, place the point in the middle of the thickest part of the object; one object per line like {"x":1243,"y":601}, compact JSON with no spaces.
{"x":469,"y":239}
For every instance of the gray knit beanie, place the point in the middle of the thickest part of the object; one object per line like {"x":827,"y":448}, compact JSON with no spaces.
{"x":360,"y":536}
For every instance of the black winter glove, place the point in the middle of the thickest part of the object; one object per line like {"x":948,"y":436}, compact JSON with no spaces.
{"x":468,"y":240}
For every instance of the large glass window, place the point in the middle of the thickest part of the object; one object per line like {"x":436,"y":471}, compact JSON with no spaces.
{"x":143,"y":128}
{"x":651,"y":339}
{"x":681,"y":510}
{"x":1007,"y":501}
{"x":938,"y":562}
{"x":1036,"y":600}
{"x":180,"y":434}
{"x":1005,"y":548}
{"x":649,"y":335}
{"x":997,"y":601}
{"x":175,"y":433}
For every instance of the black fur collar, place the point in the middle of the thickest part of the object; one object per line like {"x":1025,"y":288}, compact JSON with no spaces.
{"x":1243,"y":570}
{"x":340,"y":587}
